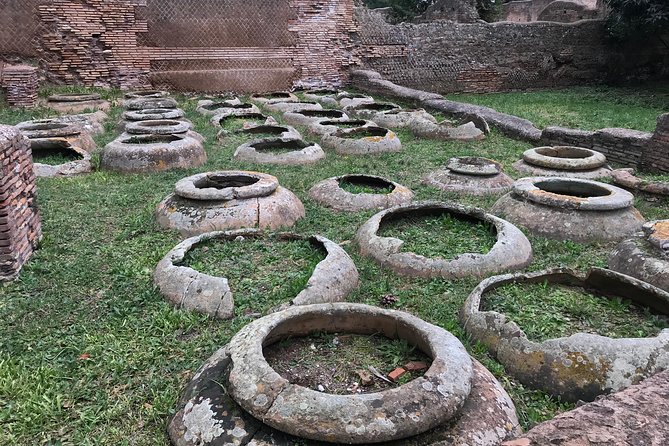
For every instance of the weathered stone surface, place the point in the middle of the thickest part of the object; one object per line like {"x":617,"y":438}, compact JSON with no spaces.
{"x":646,"y":255}
{"x":471,"y":175}
{"x":347,"y":99}
{"x":277,"y":131}
{"x":149,"y":102}
{"x":229,"y":107}
{"x":564,"y":161}
{"x":330,"y":193}
{"x":153,"y":114}
{"x":397,"y":119}
{"x":217,"y":201}
{"x":334,"y":278}
{"x":208,"y":416}
{"x":326,"y":126}
{"x":280,"y":151}
{"x":158,"y":127}
{"x":72,"y":168}
{"x":90,"y":123}
{"x":367,"y":110}
{"x":627,"y":179}
{"x":307,"y":117}
{"x":150,"y":153}
{"x":570,"y":209}
{"x":325,"y":97}
{"x":76,"y":102}
{"x":147,"y":94}
{"x":468,"y":131}
{"x":361,"y":419}
{"x":362,"y":141}
{"x":271,"y":98}
{"x":581,"y":366}
{"x":511,"y":251}
{"x":39,"y":130}
{"x":285,"y":107}
{"x":633,"y":417}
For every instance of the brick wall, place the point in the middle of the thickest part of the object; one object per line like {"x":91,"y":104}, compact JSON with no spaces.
{"x":20,"y":83}
{"x":19,"y":222}
{"x":656,"y":155}
{"x":446,"y":57}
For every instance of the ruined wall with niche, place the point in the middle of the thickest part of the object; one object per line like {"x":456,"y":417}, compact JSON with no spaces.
{"x":206,"y":45}
{"x":447,"y":57}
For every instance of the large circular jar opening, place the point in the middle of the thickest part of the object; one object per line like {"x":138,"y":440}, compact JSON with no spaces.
{"x":332,"y":114}
{"x":45,"y":126}
{"x":366,"y":184}
{"x":226,"y":185}
{"x":565,"y":158}
{"x":151,"y":139}
{"x":220,"y":105}
{"x":474,"y":165}
{"x":280,"y":145}
{"x":402,"y":412}
{"x":573,"y":189}
{"x":377,"y":106}
{"x":362,"y":132}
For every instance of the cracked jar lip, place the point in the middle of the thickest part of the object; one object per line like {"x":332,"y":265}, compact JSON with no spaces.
{"x":265,"y":185}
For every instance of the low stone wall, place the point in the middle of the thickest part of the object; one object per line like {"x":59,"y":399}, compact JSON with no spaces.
{"x":20,"y":228}
{"x":21,"y":83}
{"x":656,"y":157}
{"x":621,"y":146}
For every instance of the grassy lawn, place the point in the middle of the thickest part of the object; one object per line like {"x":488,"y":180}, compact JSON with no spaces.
{"x":91,"y":354}
{"x":587,"y":108}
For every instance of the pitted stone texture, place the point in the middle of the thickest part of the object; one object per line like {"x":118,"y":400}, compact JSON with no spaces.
{"x":72,"y":168}
{"x":511,"y":251}
{"x":285,"y":107}
{"x":487,"y":418}
{"x":147,"y":94}
{"x":408,"y":410}
{"x":76,"y":103}
{"x":325,"y":97}
{"x":634,"y":417}
{"x":367,"y":110}
{"x":353,"y":99}
{"x":646,"y":255}
{"x":151,"y":114}
{"x":334,"y":278}
{"x":144,"y":103}
{"x":91,"y":123}
{"x":564,"y":161}
{"x":627,"y":179}
{"x":307,"y":117}
{"x":158,"y":127}
{"x":72,"y":130}
{"x":330,"y":193}
{"x":230,"y":107}
{"x":472,"y":176}
{"x":277,"y":131}
{"x":260,"y":151}
{"x":581,"y":366}
{"x":152,"y":153}
{"x":368,"y":140}
{"x":468,"y":131}
{"x":399,"y":119}
{"x":277,"y":96}
{"x":327,"y":126}
{"x":218,"y":201}
{"x":571,"y":209}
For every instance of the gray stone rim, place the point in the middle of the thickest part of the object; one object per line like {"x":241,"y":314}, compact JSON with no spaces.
{"x":490,"y":168}
{"x":512,"y":250}
{"x":266,"y":185}
{"x":147,"y":94}
{"x":150,"y":114}
{"x":308,"y":155}
{"x":84,"y":97}
{"x":164,"y":127}
{"x":330,"y":193}
{"x":144,"y":103}
{"x":448,"y":380}
{"x":63,"y":129}
{"x":616,"y":199}
{"x":594,"y":160}
{"x":546,"y":364}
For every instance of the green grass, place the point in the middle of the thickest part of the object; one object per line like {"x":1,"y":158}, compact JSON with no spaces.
{"x":263,"y":273}
{"x":91,"y":354}
{"x":587,"y":108}
{"x":545,"y":311}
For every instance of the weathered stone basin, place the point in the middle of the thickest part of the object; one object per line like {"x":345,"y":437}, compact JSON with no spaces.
{"x":362,"y":141}
{"x":471,"y":175}
{"x":40,"y":130}
{"x":217,"y":201}
{"x":581,"y":366}
{"x":570,"y":209}
{"x":564,"y":161}
{"x":280,"y":151}
{"x":331,"y":194}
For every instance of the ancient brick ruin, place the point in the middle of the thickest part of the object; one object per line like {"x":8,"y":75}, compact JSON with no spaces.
{"x":19,"y":222}
{"x":20,"y":83}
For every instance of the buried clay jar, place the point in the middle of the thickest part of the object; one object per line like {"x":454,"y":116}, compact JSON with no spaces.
{"x":564,"y":161}
{"x":471,"y":175}
{"x":217,"y":201}
{"x":570,"y":209}
{"x":376,"y":193}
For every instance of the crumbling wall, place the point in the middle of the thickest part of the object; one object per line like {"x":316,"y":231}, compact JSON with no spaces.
{"x":566,"y":11}
{"x":656,"y":156}
{"x":20,"y":228}
{"x":446,"y":57}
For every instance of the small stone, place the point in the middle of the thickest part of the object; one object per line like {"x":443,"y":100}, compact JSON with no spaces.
{"x":366,"y":378}
{"x":396,"y":374}
{"x":321,"y":388}
{"x":415,"y":366}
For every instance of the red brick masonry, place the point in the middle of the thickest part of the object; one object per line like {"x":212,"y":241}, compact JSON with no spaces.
{"x":20,"y":228}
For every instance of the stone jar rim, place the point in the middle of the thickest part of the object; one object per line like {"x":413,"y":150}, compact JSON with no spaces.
{"x":573,"y":193}
{"x":261,"y":185}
